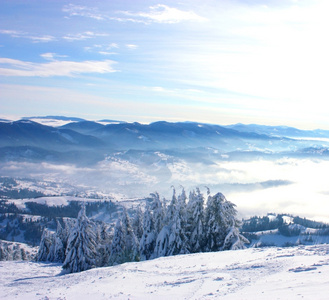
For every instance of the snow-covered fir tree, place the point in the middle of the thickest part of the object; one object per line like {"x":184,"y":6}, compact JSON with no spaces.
{"x":172,"y":238}
{"x":149,"y":236}
{"x":162,"y":247}
{"x":221,"y":225}
{"x":195,"y":221}
{"x":81,"y":249}
{"x":137,"y":223}
{"x":158,"y":212}
{"x":60,"y":243}
{"x":178,"y":241}
{"x":103,"y":240}
{"x":124,"y":246}
{"x":46,"y":247}
{"x":214,"y":223}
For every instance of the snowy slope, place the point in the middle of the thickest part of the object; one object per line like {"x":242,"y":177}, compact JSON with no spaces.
{"x":266,"y":273}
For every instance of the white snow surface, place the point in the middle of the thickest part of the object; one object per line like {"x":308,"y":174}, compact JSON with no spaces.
{"x":257,"y":273}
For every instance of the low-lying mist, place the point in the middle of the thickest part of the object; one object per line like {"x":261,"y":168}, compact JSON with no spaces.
{"x":259,"y":186}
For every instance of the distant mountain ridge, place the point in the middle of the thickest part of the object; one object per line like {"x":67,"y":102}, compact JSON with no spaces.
{"x":79,"y":139}
{"x":285,"y":131}
{"x":29,"y":133}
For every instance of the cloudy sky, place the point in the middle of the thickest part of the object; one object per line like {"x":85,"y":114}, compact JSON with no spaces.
{"x":215,"y":61}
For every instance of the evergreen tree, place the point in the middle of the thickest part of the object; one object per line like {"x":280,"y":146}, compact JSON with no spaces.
{"x":148,"y":240}
{"x":81,"y":248}
{"x":45,"y":251}
{"x":178,"y":241}
{"x":124,"y":247}
{"x":215,"y":223}
{"x":60,"y":243}
{"x":234,"y":240}
{"x":171,"y":209}
{"x":172,"y":238}
{"x":158,"y":212}
{"x":195,"y":221}
{"x":162,"y":244}
{"x":137,"y":223}
{"x":222,"y":226}
{"x":103,"y":243}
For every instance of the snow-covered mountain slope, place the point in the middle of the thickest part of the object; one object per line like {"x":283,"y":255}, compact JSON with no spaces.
{"x":266,"y":273}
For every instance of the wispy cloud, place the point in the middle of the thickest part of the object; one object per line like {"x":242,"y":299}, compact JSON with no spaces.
{"x":82,"y":11}
{"x":103,"y":49}
{"x":106,"y":53}
{"x":112,"y":45}
{"x":49,"y":38}
{"x":51,"y":56}
{"x":163,"y":14}
{"x":83,"y":36}
{"x":12,"y":33}
{"x":159,"y":13}
{"x":34,"y":38}
{"x":13,"y":67}
{"x":131,"y":46}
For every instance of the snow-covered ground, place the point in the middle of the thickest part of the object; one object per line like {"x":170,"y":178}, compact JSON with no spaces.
{"x":262,"y":273}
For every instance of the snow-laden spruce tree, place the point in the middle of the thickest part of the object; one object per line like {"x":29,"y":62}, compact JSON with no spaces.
{"x":233,"y":239}
{"x":172,"y":239}
{"x":158,"y":212}
{"x":81,"y":249}
{"x":221,"y":225}
{"x":46,"y":247}
{"x":124,"y":246}
{"x":60,"y":243}
{"x":162,"y":240}
{"x":153,"y":222}
{"x":137,"y":223}
{"x":178,"y":241}
{"x":103,"y":240}
{"x":195,"y":221}
{"x":149,"y":236}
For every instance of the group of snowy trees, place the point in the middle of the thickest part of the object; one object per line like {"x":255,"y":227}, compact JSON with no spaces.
{"x":185,"y":225}
{"x":13,"y":251}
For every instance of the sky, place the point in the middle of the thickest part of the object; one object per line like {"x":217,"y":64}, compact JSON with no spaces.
{"x":221,"y":62}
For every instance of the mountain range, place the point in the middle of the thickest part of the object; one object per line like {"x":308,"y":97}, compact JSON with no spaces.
{"x":89,"y":141}
{"x":79,"y":133}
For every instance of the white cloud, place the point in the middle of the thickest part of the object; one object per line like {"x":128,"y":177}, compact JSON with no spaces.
{"x":112,"y":45}
{"x":34,"y":38}
{"x":83,"y":36}
{"x":106,"y":53}
{"x":82,"y":11}
{"x":41,"y":39}
{"x":131,"y":46}
{"x":51,"y":56}
{"x":161,"y":13}
{"x":53,"y":68}
{"x":12,"y":33}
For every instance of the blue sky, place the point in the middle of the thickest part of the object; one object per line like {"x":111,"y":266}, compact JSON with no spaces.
{"x":210,"y":61}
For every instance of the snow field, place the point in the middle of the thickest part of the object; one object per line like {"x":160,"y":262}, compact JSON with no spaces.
{"x":262,"y":273}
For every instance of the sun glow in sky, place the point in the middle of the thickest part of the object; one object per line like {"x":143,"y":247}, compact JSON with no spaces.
{"x":209,"y":61}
